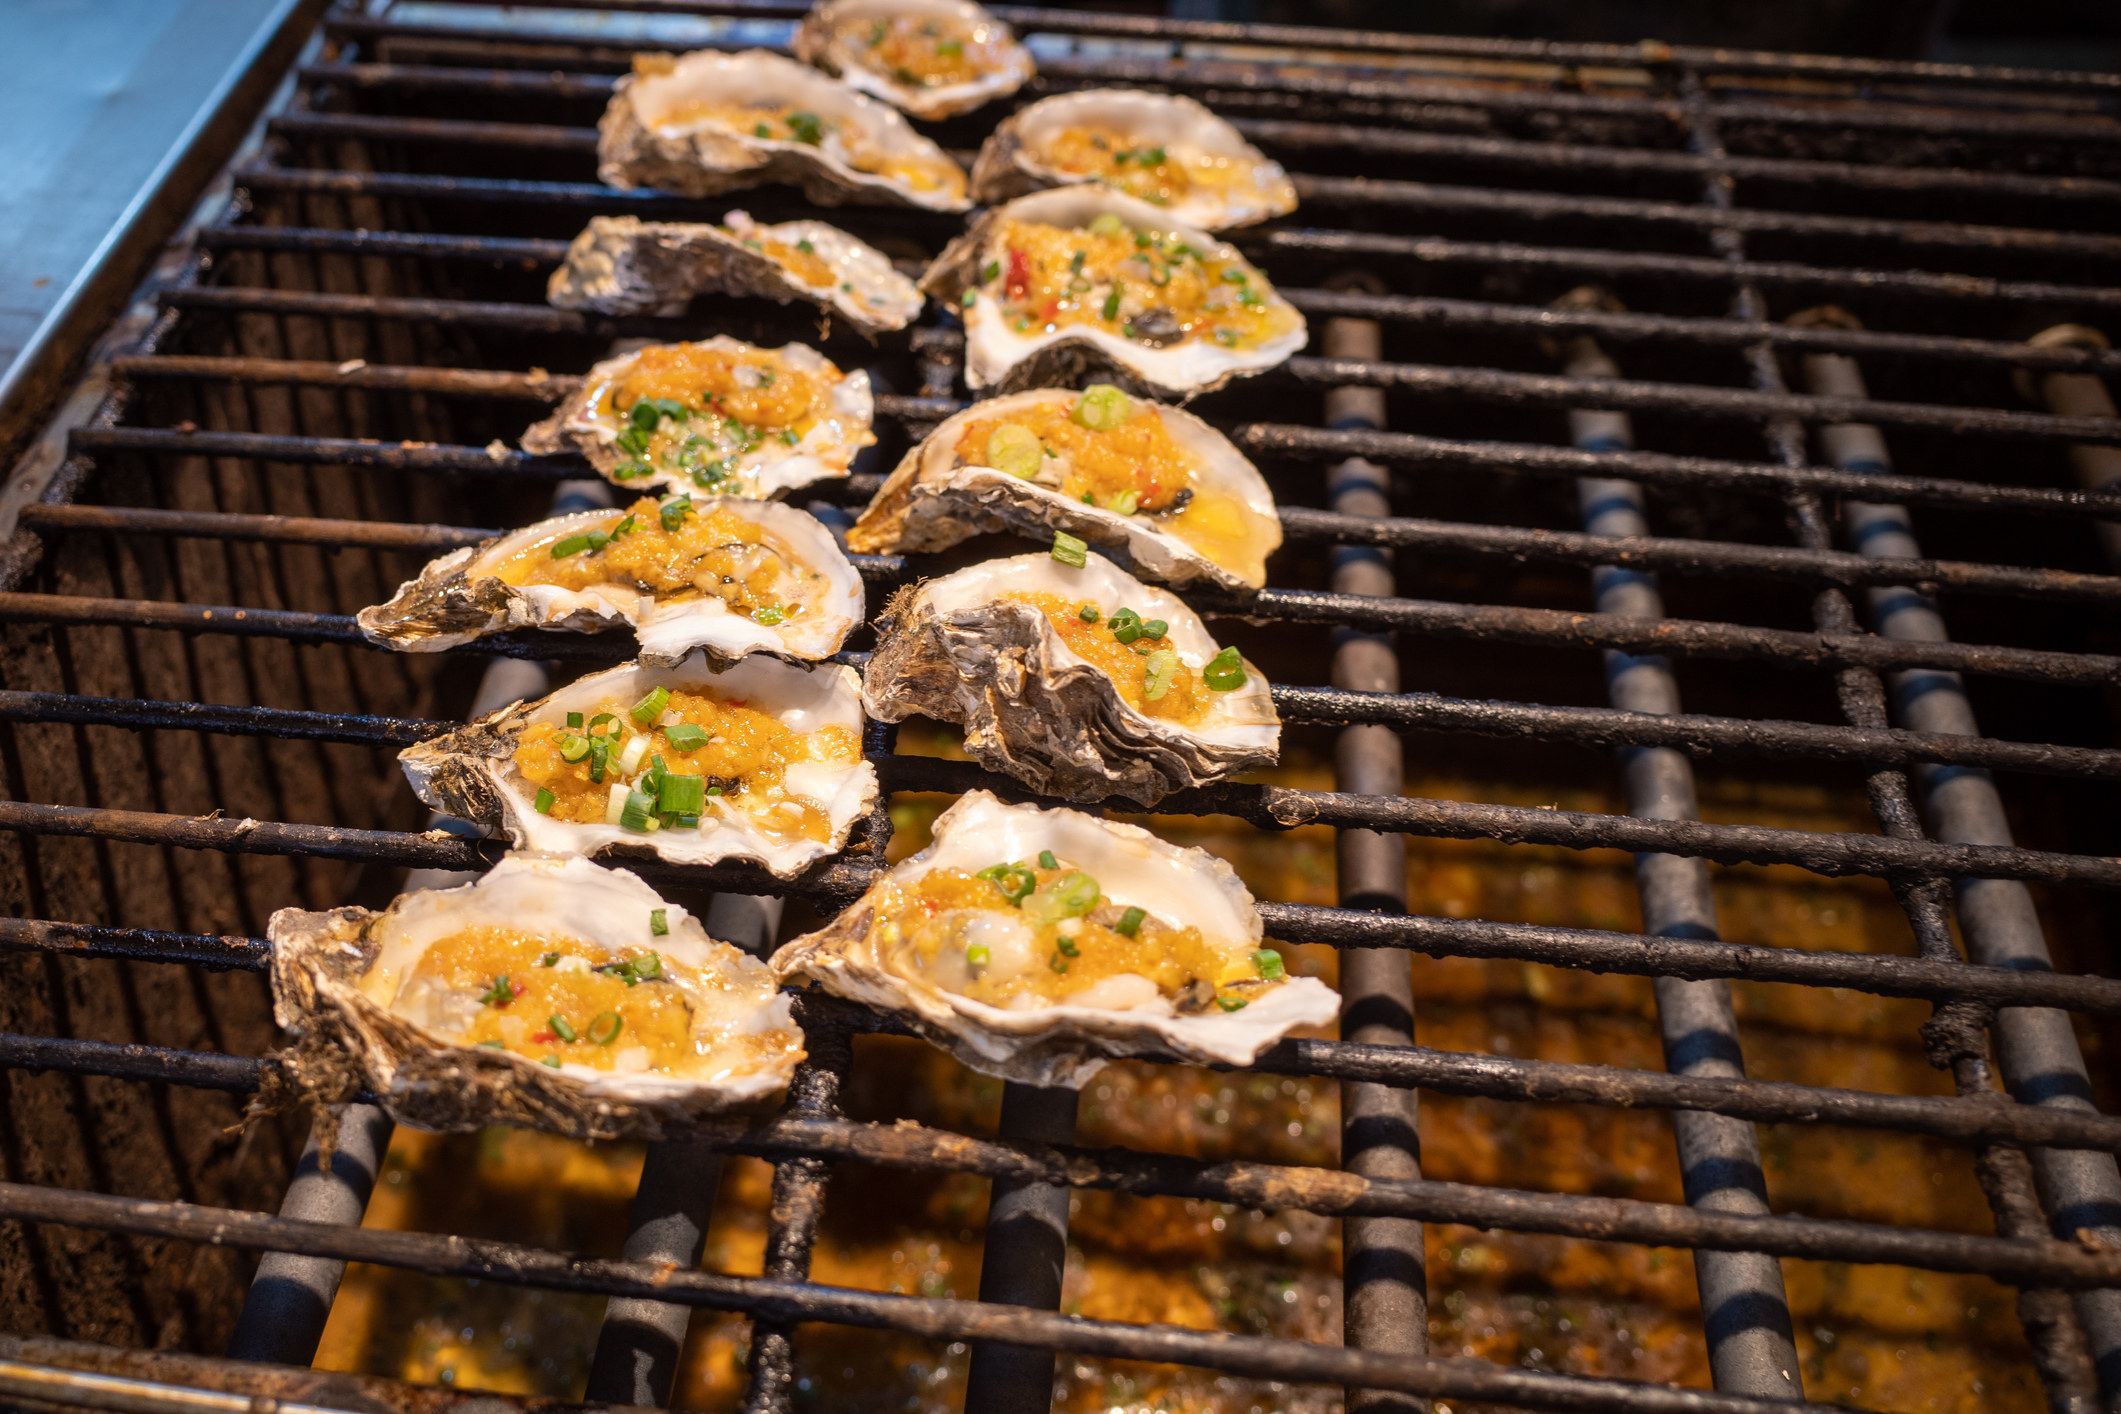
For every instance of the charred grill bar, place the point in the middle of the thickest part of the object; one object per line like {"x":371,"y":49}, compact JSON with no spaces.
{"x":167,"y":564}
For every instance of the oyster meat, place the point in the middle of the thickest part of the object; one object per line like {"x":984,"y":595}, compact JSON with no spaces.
{"x":932,"y":58}
{"x":1155,"y":483}
{"x":550,"y":993}
{"x":721,"y":416}
{"x":1166,"y":149}
{"x":1082,"y":280}
{"x":708,"y":122}
{"x":1034,"y":944}
{"x":760,"y":761}
{"x":624,"y":265}
{"x":1081,"y":683}
{"x":721,"y":574}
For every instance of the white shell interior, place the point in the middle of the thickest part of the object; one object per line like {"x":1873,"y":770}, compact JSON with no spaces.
{"x":758,"y":76}
{"x":575,"y":899}
{"x":837,"y":16}
{"x":773,"y":466}
{"x":801,"y":700}
{"x":1244,"y":716}
{"x":1180,"y":126}
{"x":669,"y":630}
{"x":992,"y":348}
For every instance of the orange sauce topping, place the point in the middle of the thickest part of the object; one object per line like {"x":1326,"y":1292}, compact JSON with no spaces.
{"x":1185,"y":702}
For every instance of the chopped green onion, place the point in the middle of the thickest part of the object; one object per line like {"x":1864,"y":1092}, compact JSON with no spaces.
{"x":969,"y":298}
{"x":768,"y":614}
{"x":1130,"y":922}
{"x":574,"y":719}
{"x":1014,"y":450}
{"x":1224,"y":672}
{"x":550,"y":959}
{"x":992,"y":269}
{"x":1111,"y":309}
{"x":1102,"y":407}
{"x":685,"y":736}
{"x":978,"y":955}
{"x":789,"y":436}
{"x":1162,"y":667}
{"x":1234,"y":275}
{"x":1268,"y":962}
{"x":543,"y":802}
{"x":1069,"y":550}
{"x":761,"y":130}
{"x":714,"y":790}
{"x":605,"y":1029}
{"x":1075,"y":262}
{"x":559,"y":1027}
{"x":1226,"y":337}
{"x":1126,"y":625}
{"x":1046,"y":860}
{"x":553,"y":1061}
{"x":650,"y":707}
{"x":659,"y":921}
{"x":1107,"y":223}
{"x":682,"y":795}
{"x":673,"y":511}
{"x":1057,"y":963}
{"x":649,"y":965}
{"x":1072,"y":895}
{"x":806,"y":128}
{"x":805,"y":246}
{"x":1124,"y":503}
{"x":1014,"y":880}
{"x":1087,"y":613}
{"x":624,"y":527}
{"x":1154,"y":628}
{"x":1231,"y":1003}
{"x":1067,"y":947}
{"x":500,"y":993}
{"x":601,"y":719}
{"x":950,"y":48}
{"x":638,"y":811}
{"x":576,"y":544}
{"x":599,"y":757}
{"x":493,"y":1045}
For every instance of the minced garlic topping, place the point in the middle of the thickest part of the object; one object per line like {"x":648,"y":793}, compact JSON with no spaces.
{"x":1153,"y":173}
{"x":700,"y":410}
{"x":740,"y":754}
{"x":672,"y":550}
{"x":1181,"y":695}
{"x":1033,"y":933}
{"x":1151,"y":287}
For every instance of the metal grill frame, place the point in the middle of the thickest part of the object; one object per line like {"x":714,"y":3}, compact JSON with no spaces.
{"x":1316,"y":90}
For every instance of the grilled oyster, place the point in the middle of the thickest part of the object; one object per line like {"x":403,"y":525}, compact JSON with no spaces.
{"x":760,"y":761}
{"x":624,"y":265}
{"x":1156,"y":483}
{"x":1064,"y":284}
{"x":723,"y":575}
{"x":551,"y":993}
{"x":708,"y":122}
{"x":932,"y":58}
{"x":722,"y":416}
{"x":1033,"y":944}
{"x":1167,"y":150}
{"x":1081,"y":683}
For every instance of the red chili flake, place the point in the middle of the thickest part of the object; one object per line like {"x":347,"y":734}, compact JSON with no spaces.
{"x":543,"y":1038}
{"x":516,"y":987}
{"x":1019,"y":283}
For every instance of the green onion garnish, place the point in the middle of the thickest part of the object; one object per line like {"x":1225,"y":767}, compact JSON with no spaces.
{"x":1231,"y":1003}
{"x":806,"y":128}
{"x":1067,"y":947}
{"x":1069,"y":550}
{"x":685,"y":736}
{"x":605,"y":1029}
{"x":682,"y":795}
{"x":553,"y":1061}
{"x":1072,"y":895}
{"x":1232,"y":275}
{"x":1154,"y":628}
{"x":969,"y":298}
{"x":558,"y":1026}
{"x":674,"y":511}
{"x":761,"y":130}
{"x":576,"y":544}
{"x":1130,"y":922}
{"x":601,"y":719}
{"x":1046,"y":860}
{"x":1224,"y":672}
{"x":543,"y":803}
{"x":805,"y":246}
{"x":649,"y":965}
{"x":659,"y":921}
{"x":1268,"y":962}
{"x":1123,"y":504}
{"x":978,"y":955}
{"x":1126,"y":625}
{"x":573,"y":748}
{"x":650,"y":707}
{"x":1014,"y":880}
{"x":1057,"y":963}
{"x":1107,"y":223}
{"x":1161,"y":668}
{"x":987,"y":274}
{"x":500,"y":993}
{"x":549,"y":960}
{"x":574,"y":719}
{"x":493,"y":1045}
{"x":638,"y":813}
{"x":1102,"y":407}
{"x":1087,"y":613}
{"x":1111,"y":310}
{"x":768,"y":615}
{"x":1014,"y":450}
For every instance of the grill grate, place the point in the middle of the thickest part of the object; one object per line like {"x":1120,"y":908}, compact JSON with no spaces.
{"x":194,"y":723}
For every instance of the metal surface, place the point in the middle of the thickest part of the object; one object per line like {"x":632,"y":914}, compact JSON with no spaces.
{"x":306,"y":415}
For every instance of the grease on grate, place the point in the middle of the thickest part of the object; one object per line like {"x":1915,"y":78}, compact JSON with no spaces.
{"x":1888,"y":1337}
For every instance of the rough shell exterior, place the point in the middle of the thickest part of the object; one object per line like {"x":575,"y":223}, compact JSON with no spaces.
{"x":1033,"y":711}
{"x":1061,"y":1044}
{"x":345,"y":1043}
{"x":708,"y":161}
{"x":624,"y":265}
{"x":1010,"y":164}
{"x":822,"y":40}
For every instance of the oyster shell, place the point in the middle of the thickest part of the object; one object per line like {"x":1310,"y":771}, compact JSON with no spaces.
{"x":1166,"y":149}
{"x":391,"y":1002}
{"x":1061,"y":702}
{"x":782,"y":749}
{"x":708,"y":122}
{"x":624,"y":265}
{"x":965,"y":56}
{"x":776,"y":583}
{"x":991,"y":982}
{"x":723,"y":416}
{"x":1066,"y":284}
{"x":1189,"y":505}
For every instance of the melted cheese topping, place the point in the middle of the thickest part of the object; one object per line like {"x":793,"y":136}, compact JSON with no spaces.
{"x":1137,"y":458}
{"x":962,"y":933}
{"x":1155,"y":174}
{"x":745,"y":759}
{"x":1148,"y":286}
{"x":712,"y":552}
{"x":791,"y":122}
{"x":1185,"y":701}
{"x":516,"y":991}
{"x":927,"y":51}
